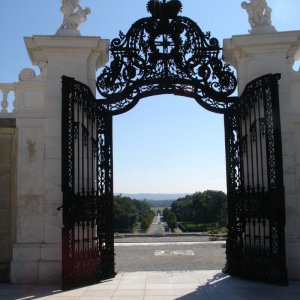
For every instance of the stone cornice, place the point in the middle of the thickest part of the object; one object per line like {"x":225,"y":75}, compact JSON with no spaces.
{"x":39,"y":47}
{"x":243,"y":45}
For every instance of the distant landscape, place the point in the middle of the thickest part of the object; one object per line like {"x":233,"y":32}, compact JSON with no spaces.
{"x":154,"y":197}
{"x":199,"y":212}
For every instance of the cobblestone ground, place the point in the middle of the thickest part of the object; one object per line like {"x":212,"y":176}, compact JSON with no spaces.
{"x":169,"y":254}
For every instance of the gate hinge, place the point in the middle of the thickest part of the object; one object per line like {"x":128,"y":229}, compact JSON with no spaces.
{"x":60,"y":208}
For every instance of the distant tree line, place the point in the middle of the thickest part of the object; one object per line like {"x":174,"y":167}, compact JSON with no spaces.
{"x":159,"y":203}
{"x":209,"y":207}
{"x":130,"y":213}
{"x":200,"y":208}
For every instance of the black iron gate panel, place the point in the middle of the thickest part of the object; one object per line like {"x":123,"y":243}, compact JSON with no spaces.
{"x":256,"y":219}
{"x":87,"y":248}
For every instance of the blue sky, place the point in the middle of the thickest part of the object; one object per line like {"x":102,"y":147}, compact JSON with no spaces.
{"x":166,"y":144}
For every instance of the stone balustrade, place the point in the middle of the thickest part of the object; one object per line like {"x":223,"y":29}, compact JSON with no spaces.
{"x":5,"y":90}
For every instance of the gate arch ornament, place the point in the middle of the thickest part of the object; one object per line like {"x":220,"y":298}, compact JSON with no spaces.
{"x":169,"y":54}
{"x":166,"y":54}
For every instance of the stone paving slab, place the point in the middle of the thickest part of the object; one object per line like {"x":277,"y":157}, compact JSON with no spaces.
{"x":206,"y":285}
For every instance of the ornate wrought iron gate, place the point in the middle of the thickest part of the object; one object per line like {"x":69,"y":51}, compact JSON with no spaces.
{"x":256,"y":210}
{"x":169,"y":54}
{"x":88,"y":249}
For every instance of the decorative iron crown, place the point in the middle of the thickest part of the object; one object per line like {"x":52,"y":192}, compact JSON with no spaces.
{"x":163,"y":9}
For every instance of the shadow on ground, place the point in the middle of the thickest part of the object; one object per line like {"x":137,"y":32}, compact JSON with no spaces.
{"x":224,"y":287}
{"x":27,"y":292}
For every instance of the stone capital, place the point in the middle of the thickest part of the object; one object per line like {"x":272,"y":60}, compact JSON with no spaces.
{"x":294,"y":51}
{"x":40,"y":48}
{"x":257,"y":46}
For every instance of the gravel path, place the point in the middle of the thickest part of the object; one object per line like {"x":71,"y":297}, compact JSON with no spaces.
{"x":169,"y":254}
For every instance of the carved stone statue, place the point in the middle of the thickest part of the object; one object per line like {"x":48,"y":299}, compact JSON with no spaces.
{"x":259,"y":16}
{"x":74,"y":16}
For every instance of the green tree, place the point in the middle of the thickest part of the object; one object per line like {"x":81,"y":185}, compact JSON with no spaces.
{"x":147,"y":220}
{"x":183,"y":209}
{"x":142,"y":207}
{"x":209,"y":207}
{"x":172,"y":221}
{"x":125,"y":214}
{"x":129,"y":212}
{"x":166,"y":213}
{"x":215,"y":201}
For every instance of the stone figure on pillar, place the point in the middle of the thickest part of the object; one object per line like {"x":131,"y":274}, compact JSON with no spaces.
{"x":74,"y":16}
{"x":259,"y":16}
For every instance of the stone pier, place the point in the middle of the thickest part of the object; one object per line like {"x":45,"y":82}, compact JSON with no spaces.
{"x":37,"y":247}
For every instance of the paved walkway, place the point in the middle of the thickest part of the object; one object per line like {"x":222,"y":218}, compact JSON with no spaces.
{"x":206,"y":285}
{"x":155,"y":227}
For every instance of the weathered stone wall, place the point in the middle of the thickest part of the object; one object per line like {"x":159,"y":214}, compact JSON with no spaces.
{"x":292,"y":178}
{"x":7,"y":197}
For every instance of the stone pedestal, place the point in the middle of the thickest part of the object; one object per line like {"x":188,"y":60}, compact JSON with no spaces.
{"x":37,"y":251}
{"x":256,"y":55}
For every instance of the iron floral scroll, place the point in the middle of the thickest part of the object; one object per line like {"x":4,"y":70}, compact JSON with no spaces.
{"x":166,"y":53}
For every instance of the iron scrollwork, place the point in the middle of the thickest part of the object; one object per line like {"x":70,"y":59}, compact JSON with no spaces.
{"x":166,"y":54}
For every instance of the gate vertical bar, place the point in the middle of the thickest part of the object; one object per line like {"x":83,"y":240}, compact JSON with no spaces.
{"x":67,"y":176}
{"x":279,"y":195}
{"x":235,"y":183}
{"x":105,"y":188}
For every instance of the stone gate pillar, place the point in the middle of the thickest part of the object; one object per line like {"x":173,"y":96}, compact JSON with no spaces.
{"x":37,"y":251}
{"x":256,"y":55}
